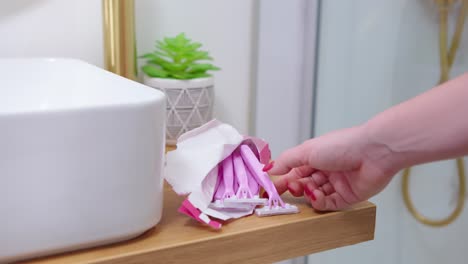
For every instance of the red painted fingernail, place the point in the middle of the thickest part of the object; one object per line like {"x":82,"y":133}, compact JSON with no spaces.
{"x":269,"y":166}
{"x":310,"y":194}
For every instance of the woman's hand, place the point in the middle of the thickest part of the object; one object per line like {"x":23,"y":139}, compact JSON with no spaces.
{"x":336,"y":170}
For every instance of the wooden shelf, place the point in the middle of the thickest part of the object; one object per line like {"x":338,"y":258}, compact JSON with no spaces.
{"x":178,"y":239}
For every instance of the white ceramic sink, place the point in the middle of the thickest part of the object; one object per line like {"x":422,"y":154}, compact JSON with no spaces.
{"x":81,"y":157}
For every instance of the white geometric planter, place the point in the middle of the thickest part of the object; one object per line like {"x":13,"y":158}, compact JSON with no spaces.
{"x":189,"y":103}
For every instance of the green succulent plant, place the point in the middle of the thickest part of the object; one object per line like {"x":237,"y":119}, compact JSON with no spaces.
{"x":178,"y":58}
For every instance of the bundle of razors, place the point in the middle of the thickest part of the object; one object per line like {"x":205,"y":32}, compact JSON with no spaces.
{"x":222,"y":173}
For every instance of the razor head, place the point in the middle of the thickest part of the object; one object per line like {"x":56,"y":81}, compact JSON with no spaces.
{"x":276,"y":210}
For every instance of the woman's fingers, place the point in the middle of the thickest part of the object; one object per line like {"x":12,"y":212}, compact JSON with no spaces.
{"x":296,"y":188}
{"x":340,"y":182}
{"x":281,"y":182}
{"x":319,"y":178}
{"x":297,"y":178}
{"x":322,"y":202}
{"x":320,"y":189}
{"x":327,"y":188}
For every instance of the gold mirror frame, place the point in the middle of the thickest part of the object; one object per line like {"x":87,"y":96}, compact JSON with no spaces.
{"x":119,"y":37}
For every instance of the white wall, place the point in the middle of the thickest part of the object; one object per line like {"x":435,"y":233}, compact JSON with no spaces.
{"x":68,"y":28}
{"x":279,"y":73}
{"x":374,"y":54}
{"x":58,"y":28}
{"x":225,"y":28}
{"x":284,"y":91}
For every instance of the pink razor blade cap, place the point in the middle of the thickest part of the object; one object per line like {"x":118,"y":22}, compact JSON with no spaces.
{"x":188,"y":209}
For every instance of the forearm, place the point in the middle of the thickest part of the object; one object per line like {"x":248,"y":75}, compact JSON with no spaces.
{"x":429,"y":127}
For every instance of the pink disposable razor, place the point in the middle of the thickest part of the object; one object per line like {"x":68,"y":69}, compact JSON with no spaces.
{"x":268,"y":211}
{"x":256,"y":168}
{"x":228,"y":178}
{"x":188,"y":209}
{"x":275,"y":205}
{"x":241,"y":174}
{"x":246,"y":197}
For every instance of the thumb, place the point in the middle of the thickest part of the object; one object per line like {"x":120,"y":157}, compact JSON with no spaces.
{"x":291,"y":158}
{"x":336,"y":151}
